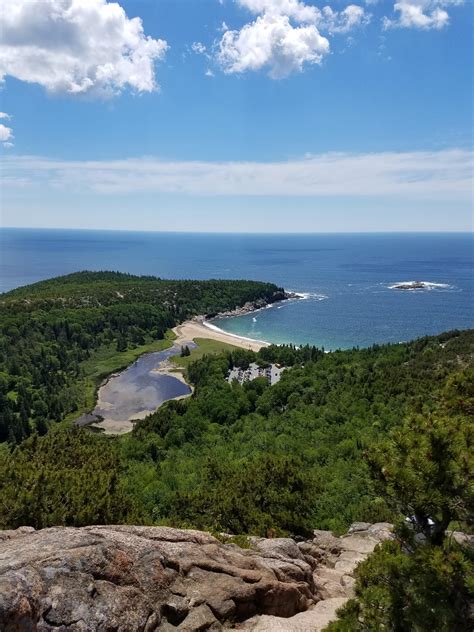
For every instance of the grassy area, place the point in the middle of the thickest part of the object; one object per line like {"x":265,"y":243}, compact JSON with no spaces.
{"x":107,"y":360}
{"x":205,"y":347}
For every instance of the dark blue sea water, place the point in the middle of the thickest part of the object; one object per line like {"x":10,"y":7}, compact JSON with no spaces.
{"x":346,"y":278}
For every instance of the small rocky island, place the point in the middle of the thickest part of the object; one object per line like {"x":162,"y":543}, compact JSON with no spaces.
{"x":413,"y":285}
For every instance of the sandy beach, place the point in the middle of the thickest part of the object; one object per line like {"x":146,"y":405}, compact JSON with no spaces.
{"x":191,"y":329}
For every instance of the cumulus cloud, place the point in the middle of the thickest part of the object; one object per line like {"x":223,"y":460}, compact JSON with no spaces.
{"x":271,"y":41}
{"x":77,"y":46}
{"x":294,"y":9}
{"x":429,"y":175}
{"x":287,"y":35}
{"x":6,"y":133}
{"x":420,"y":14}
{"x":284,"y":36}
{"x":325,"y":19}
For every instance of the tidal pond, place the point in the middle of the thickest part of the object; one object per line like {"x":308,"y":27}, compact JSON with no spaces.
{"x":136,"y":392}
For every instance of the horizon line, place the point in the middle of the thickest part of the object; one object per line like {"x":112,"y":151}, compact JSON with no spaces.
{"x":228,"y":232}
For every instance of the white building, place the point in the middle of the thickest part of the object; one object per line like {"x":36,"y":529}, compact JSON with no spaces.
{"x":272,"y":373}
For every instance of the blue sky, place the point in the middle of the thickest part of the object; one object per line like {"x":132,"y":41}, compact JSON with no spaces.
{"x":360,"y":119}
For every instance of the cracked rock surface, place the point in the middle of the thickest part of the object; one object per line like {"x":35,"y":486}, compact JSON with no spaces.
{"x":126,"y":579}
{"x":334,"y":562}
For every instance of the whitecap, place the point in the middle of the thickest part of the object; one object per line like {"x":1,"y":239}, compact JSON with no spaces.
{"x":310,"y":295}
{"x":222,"y":331}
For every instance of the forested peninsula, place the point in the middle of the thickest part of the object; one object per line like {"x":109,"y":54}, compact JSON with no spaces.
{"x":61,"y":337}
{"x":382,"y":434}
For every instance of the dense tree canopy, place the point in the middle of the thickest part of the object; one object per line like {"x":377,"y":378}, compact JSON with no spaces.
{"x":423,"y":580}
{"x":383,"y":433}
{"x":325,"y":414}
{"x":49,"y":329}
{"x":69,"y":477}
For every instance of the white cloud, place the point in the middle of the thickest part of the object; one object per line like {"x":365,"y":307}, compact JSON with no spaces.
{"x":294,"y":9}
{"x":429,"y":175}
{"x":287,"y":35}
{"x":198,"y":48}
{"x":420,"y":14}
{"x":284,"y":37}
{"x":209,"y":73}
{"x":77,"y":46}
{"x":272,"y":42}
{"x":343,"y":21}
{"x":6,"y":133}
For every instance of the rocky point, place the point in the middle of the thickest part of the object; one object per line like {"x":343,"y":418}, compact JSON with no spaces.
{"x":126,"y":579}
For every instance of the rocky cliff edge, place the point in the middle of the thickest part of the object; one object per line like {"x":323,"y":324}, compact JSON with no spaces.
{"x":127,"y":579}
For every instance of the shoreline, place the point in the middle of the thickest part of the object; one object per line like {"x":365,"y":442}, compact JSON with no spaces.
{"x":123,"y":426}
{"x":236,"y":337}
{"x":201,"y":327}
{"x":116,"y":427}
{"x":198,"y":328}
{"x":186,"y":333}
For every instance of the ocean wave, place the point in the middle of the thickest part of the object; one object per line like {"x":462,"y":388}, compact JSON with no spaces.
{"x":223,"y":331}
{"x":310,"y":295}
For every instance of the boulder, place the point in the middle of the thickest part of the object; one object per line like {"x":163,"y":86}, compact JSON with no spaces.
{"x":326,"y":540}
{"x":332,"y":589}
{"x":359,"y":526}
{"x":349,"y":585}
{"x":358,"y":544}
{"x":127,"y":578}
{"x":15,"y":533}
{"x":142,"y":579}
{"x":313,"y":620}
{"x":381,"y":531}
{"x":200,"y":618}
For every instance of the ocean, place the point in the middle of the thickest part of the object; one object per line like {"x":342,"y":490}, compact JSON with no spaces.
{"x":345,"y":279}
